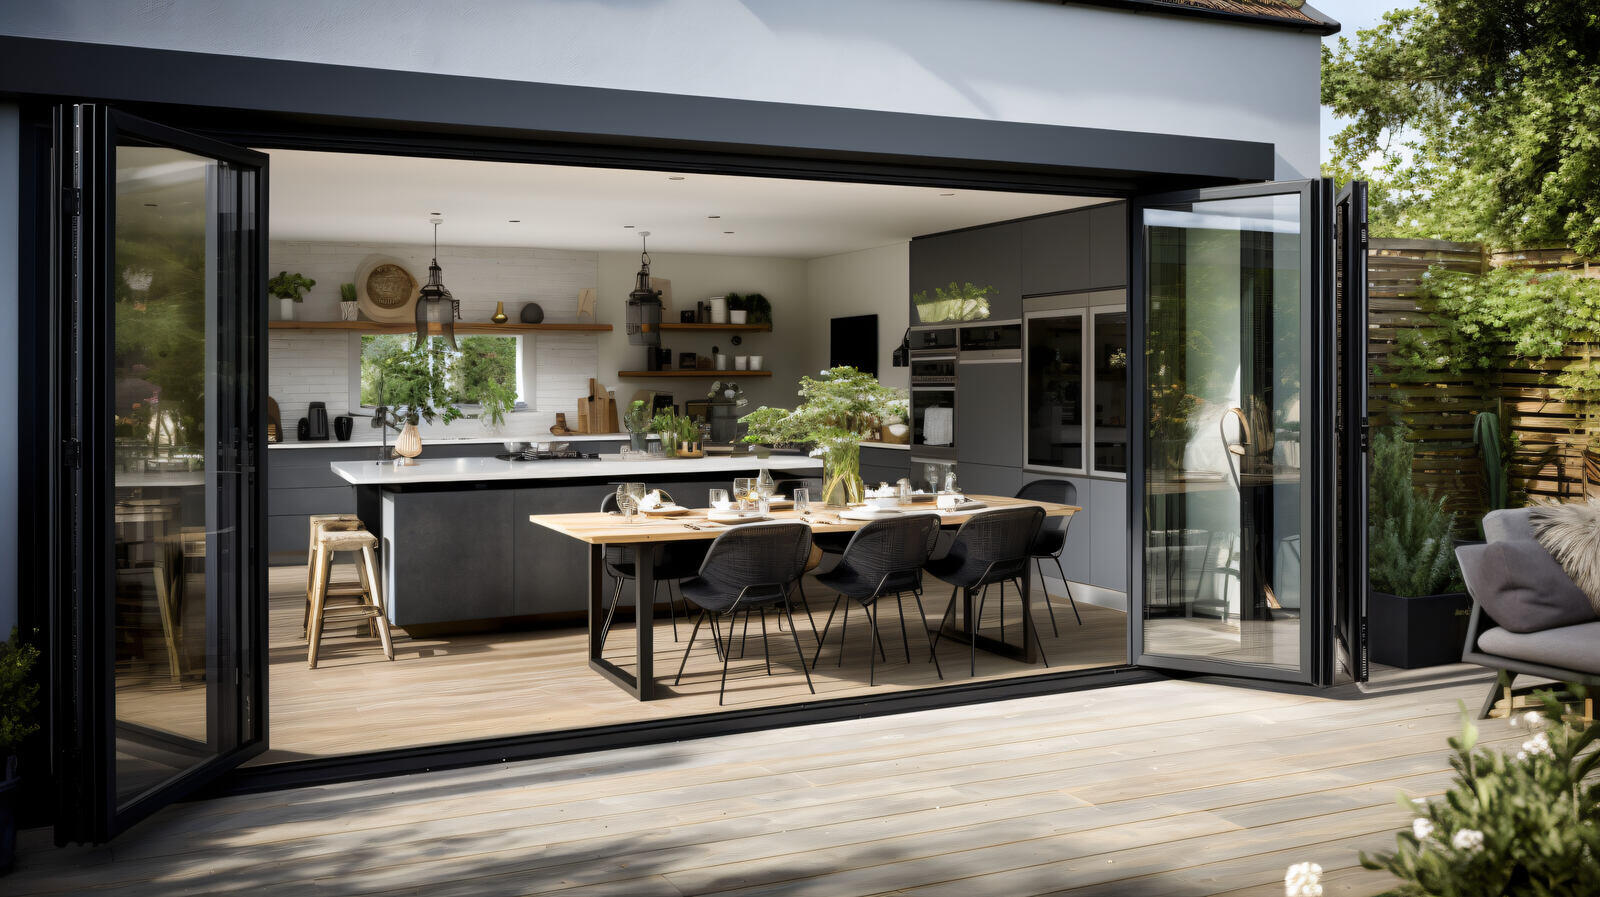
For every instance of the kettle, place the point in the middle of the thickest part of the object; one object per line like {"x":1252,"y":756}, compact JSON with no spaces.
{"x":316,"y":422}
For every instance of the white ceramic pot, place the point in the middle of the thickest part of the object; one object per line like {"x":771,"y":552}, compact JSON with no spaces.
{"x":737,"y":315}
{"x":722,"y":362}
{"x":741,"y":362}
{"x":286,"y":309}
{"x":719,"y":309}
{"x":348,"y":310}
{"x":756,"y":362}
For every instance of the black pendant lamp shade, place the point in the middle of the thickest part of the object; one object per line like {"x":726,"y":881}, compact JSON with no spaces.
{"x":434,"y":293}
{"x":644,"y":304}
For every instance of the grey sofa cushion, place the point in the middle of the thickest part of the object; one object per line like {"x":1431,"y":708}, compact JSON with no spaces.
{"x":1575,"y":648}
{"x":1521,"y":587}
{"x":1509,"y":525}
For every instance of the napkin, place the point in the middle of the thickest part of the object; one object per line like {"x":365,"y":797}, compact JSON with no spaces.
{"x":651,"y":500}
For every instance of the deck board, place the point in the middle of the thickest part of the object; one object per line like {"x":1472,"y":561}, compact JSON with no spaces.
{"x":1170,"y":787}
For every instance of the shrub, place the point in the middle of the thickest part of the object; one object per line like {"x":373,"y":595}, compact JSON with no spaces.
{"x":1527,"y":824}
{"x":19,"y":694}
{"x":1410,"y":551}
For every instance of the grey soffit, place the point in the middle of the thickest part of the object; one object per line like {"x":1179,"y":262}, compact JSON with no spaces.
{"x":1272,"y":13}
{"x":425,"y":102}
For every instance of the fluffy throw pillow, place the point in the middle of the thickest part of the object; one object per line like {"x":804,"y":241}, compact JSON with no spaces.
{"x":1571,"y":533}
{"x":1521,"y":587}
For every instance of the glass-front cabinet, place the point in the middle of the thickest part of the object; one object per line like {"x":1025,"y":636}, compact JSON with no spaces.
{"x":1077,"y":394}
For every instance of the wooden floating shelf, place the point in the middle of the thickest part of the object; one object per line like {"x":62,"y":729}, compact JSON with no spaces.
{"x":719,"y":328}
{"x":652,"y":375}
{"x":464,"y":327}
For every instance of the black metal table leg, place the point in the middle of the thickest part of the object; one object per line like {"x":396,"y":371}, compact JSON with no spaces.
{"x":641,"y":683}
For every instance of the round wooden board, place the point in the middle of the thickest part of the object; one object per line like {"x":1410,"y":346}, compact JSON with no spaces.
{"x":386,"y":291}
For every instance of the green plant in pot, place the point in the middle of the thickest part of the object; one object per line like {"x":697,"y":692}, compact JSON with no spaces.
{"x":666,"y":426}
{"x":738,"y":310}
{"x":637,"y":421}
{"x":1417,"y":607}
{"x":290,"y":290}
{"x":838,"y":411}
{"x":348,"y":308}
{"x":758,"y":308}
{"x":19,"y":702}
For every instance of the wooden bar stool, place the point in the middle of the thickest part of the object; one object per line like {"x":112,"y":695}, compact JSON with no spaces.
{"x":350,"y":587}
{"x":329,"y":543}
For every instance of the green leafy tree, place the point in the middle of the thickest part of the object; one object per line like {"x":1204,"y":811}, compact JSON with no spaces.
{"x":1475,"y":121}
{"x":1410,"y":551}
{"x":19,"y":695}
{"x":838,"y":410}
{"x":1523,"y":824}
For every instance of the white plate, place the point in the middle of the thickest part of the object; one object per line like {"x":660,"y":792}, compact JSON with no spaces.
{"x":735,"y":517}
{"x":868,"y":513}
{"x":964,"y":507}
{"x":665,"y":510}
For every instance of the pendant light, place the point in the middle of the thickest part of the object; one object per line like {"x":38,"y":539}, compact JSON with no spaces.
{"x":432,"y":295}
{"x":644,"y":308}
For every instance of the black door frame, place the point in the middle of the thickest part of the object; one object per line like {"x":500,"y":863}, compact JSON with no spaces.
{"x":79,"y":379}
{"x":278,"y":104}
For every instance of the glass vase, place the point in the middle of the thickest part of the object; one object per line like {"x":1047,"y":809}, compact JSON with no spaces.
{"x":669,"y":444}
{"x":639,"y":442}
{"x":841,"y":475}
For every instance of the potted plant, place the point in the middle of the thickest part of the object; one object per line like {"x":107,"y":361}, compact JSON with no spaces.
{"x":410,"y":386}
{"x":758,"y":308}
{"x":738,"y":312}
{"x":637,"y":420}
{"x":19,"y":699}
{"x":665,"y":426}
{"x":290,"y":290}
{"x":347,"y":302}
{"x":1417,"y":607}
{"x":838,"y":411}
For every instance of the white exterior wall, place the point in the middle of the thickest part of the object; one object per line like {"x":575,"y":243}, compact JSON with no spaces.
{"x":1013,"y":60}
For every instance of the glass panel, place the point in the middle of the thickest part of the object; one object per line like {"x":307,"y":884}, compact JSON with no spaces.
{"x":1110,"y":354}
{"x":1055,"y":391}
{"x":1223,"y":488}
{"x":164,"y":280}
{"x":392,"y":371}
{"x":933,"y":418}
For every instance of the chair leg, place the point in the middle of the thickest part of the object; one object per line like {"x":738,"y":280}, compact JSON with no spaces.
{"x":972,"y":636}
{"x":1002,"y":611}
{"x":900,"y":613}
{"x":743,"y":634}
{"x":1037,"y":642}
{"x":795,"y":634}
{"x":923,"y":616}
{"x":882,"y":655}
{"x":611,"y":612}
{"x":1070,"y":599}
{"x":825,"y":626}
{"x":872,"y":656}
{"x":672,"y":609}
{"x":369,"y":563}
{"x":690,"y":647}
{"x":1048,"y":605}
{"x":722,"y":686}
{"x":1501,"y":687}
{"x":844,"y":630}
{"x":766,"y":651}
{"x":933,"y":644}
{"x":807,"y":605}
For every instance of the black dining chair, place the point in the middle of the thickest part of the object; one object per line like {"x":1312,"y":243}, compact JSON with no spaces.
{"x":991,"y":547}
{"x":883,"y":558}
{"x":1050,"y":542}
{"x":752,"y":567}
{"x":675,"y":561}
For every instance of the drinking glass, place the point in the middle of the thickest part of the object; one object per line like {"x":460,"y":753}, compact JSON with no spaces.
{"x":802,"y":501}
{"x":626,"y":502}
{"x":718,"y":498}
{"x":744,"y":491}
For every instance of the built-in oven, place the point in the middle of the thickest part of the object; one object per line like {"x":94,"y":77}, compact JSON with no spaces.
{"x":933,"y":393}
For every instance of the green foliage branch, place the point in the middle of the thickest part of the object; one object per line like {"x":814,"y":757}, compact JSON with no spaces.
{"x":838,"y":410}
{"x":1410,"y":550}
{"x":19,"y":694}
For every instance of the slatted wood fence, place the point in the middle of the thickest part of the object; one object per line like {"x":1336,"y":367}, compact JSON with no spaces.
{"x":1439,"y":406}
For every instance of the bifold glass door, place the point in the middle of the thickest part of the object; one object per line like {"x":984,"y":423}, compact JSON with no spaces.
{"x":1233,"y":502}
{"x":158,"y":683}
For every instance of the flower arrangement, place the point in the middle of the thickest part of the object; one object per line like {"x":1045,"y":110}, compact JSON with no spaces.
{"x":838,"y":411}
{"x":1520,"y":824}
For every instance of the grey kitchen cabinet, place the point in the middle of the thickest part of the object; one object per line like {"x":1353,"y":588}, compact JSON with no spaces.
{"x":1108,"y":246}
{"x":466,"y":573}
{"x":989,"y":414}
{"x":985,"y":257}
{"x":881,"y":465}
{"x":986,"y":479}
{"x":1055,"y":253}
{"x":550,"y":571}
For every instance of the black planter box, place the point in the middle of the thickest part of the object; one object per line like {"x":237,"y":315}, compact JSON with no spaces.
{"x":1417,"y":632}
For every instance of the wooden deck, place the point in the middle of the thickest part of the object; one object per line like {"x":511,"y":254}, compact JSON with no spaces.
{"x":1169,"y":788}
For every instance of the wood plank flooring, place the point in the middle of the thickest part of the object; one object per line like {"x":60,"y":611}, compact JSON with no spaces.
{"x":505,"y":683}
{"x":1165,"y":788}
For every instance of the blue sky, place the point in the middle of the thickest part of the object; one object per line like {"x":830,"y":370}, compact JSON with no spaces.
{"x":1353,"y":15}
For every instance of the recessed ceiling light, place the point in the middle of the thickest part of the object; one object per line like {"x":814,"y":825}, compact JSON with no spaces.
{"x":436,"y":214}
{"x":151,"y":205}
{"x":627,"y":225}
{"x":513,"y":220}
{"x":947,"y":194}
{"x":727,"y":231}
{"x":675,"y":177}
{"x":713,"y":216}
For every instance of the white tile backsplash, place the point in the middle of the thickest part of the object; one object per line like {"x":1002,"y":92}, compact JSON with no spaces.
{"x":307,"y":366}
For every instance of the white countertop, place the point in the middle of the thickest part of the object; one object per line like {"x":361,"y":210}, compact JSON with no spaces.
{"x":902,"y":446}
{"x":478,"y":470}
{"x":463,"y":440}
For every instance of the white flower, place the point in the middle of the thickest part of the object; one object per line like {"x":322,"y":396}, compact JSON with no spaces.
{"x":1420,"y":802}
{"x":1422,"y":828}
{"x":1467,"y":839}
{"x":1522,"y":755}
{"x":1303,"y":880}
{"x":1538,"y":746}
{"x":1533,"y":718}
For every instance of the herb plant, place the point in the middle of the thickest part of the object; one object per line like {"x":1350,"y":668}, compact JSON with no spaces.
{"x":290,"y":286}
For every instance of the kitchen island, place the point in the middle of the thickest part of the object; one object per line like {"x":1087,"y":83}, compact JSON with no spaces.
{"x":458,"y":552}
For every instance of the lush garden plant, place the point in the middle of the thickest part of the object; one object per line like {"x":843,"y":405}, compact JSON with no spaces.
{"x":1514,"y":825}
{"x":19,"y":695}
{"x":838,"y":411}
{"x":1410,"y":551}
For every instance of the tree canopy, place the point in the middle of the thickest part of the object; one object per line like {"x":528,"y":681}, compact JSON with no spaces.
{"x":1475,"y":120}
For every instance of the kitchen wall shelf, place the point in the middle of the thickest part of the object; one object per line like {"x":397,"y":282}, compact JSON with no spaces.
{"x":719,"y":328}
{"x":467,"y":327}
{"x":652,"y":375}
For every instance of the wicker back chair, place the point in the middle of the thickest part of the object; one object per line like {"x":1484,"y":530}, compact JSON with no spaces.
{"x":883,"y":558}
{"x":991,"y":547}
{"x":674,"y":561}
{"x":748,"y":568}
{"x":1052,"y":539}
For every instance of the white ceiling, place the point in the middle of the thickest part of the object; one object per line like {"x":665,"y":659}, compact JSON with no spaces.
{"x":351,"y":197}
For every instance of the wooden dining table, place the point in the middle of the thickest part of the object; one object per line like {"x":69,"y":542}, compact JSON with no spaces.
{"x":645,"y":535}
